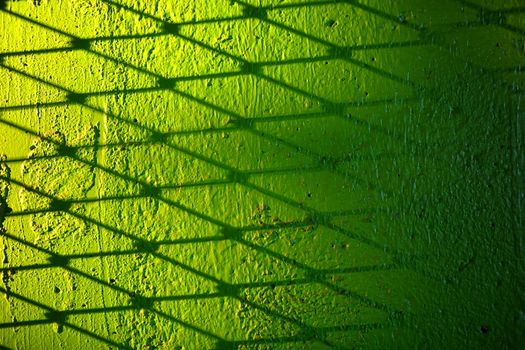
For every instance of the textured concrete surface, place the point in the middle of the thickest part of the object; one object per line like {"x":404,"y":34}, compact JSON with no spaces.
{"x":267,"y":174}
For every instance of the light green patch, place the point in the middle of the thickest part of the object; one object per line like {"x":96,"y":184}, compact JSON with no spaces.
{"x":58,"y":175}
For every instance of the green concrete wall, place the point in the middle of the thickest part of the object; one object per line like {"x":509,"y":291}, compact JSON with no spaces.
{"x":261,"y":174}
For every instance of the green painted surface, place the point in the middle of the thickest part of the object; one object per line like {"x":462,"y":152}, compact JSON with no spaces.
{"x":264,"y":175}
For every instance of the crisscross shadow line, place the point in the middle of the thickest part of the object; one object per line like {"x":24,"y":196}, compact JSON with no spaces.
{"x":220,"y":163}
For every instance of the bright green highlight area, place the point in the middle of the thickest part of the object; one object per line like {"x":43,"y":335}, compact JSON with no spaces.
{"x":263,"y":174}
